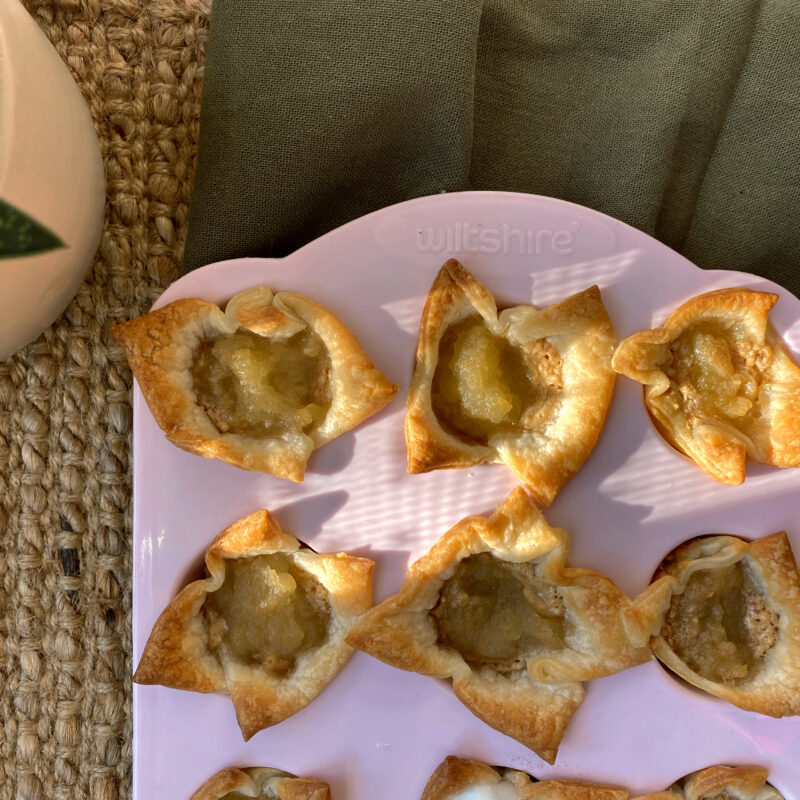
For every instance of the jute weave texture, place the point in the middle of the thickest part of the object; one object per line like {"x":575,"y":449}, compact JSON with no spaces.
{"x":65,"y":414}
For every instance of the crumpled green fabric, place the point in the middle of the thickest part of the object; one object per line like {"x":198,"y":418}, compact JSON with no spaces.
{"x":680,"y":117}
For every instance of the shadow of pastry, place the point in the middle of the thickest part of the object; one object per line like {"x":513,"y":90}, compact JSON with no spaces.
{"x":335,"y":456}
{"x":308,"y":515}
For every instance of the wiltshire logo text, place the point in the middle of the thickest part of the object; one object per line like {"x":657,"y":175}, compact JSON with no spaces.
{"x":465,"y":238}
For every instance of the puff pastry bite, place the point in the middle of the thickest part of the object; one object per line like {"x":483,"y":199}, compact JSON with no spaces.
{"x":259,"y":386}
{"x":721,"y":783}
{"x":526,"y":387}
{"x":262,"y":783}
{"x":465,"y":779}
{"x":719,"y":383}
{"x":266,"y":626}
{"x":733,"y":624}
{"x":494,"y":606}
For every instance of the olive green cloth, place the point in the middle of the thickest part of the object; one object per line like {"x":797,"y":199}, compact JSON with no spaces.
{"x":680,"y":117}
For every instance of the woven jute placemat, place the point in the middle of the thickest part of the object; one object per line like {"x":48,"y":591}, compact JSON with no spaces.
{"x":65,"y":413}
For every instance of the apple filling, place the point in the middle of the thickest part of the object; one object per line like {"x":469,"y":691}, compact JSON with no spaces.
{"x":720,"y":625}
{"x":495,"y":613}
{"x":716,"y":372}
{"x":257,"y":386}
{"x":267,"y":612}
{"x":484,"y":385}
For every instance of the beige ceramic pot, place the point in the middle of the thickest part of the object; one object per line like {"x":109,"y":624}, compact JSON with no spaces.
{"x":52,"y":187}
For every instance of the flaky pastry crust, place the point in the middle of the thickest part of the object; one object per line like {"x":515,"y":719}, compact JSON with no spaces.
{"x":773,"y":618}
{"x":533,"y":698}
{"x":161,"y":347}
{"x":455,"y":776}
{"x":567,"y":345}
{"x":720,"y":783}
{"x":720,"y":338}
{"x":262,"y":783}
{"x":178,"y":653}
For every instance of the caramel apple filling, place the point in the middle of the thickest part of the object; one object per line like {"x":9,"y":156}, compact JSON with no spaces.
{"x":257,"y":386}
{"x":716,"y":371}
{"x":484,"y":385}
{"x":267,"y":612}
{"x":495,"y":613}
{"x":720,"y":625}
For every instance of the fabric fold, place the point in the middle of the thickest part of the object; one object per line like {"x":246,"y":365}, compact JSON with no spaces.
{"x":681,"y":118}
{"x":314,"y":114}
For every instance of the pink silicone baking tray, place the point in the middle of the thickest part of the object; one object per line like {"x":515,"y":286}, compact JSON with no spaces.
{"x":377,"y":733}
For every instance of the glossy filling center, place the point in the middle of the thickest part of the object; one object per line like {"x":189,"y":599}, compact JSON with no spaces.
{"x":257,"y":386}
{"x":720,"y":625}
{"x":496,"y":613}
{"x":267,"y":612}
{"x":483,"y":385}
{"x":716,"y":371}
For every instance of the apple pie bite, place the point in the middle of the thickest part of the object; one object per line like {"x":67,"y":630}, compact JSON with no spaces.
{"x":732,"y":627}
{"x":721,"y":783}
{"x":260,"y":386}
{"x":465,"y":779}
{"x":261,"y":783}
{"x":719,"y":383}
{"x":266,"y":626}
{"x":494,"y":606}
{"x":526,"y":387}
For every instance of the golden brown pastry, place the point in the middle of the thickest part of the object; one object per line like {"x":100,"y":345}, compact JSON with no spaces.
{"x":526,"y":387}
{"x":721,"y":783}
{"x":494,"y":606}
{"x":733,"y":624}
{"x":465,"y":779}
{"x":259,"y":386}
{"x":262,"y":783}
{"x":719,"y":383}
{"x":267,"y":625}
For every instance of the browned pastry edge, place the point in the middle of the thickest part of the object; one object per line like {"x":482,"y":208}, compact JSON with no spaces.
{"x":177,"y":654}
{"x":775,"y":689}
{"x":248,"y":782}
{"x":583,"y":401}
{"x":159,"y":346}
{"x":455,"y":775}
{"x":608,"y":632}
{"x":717,"y":448}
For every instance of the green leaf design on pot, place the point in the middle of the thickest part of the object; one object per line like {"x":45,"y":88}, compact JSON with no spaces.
{"x":21,"y":235}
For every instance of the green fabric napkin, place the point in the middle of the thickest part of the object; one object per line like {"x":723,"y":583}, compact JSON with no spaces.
{"x":680,"y":117}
